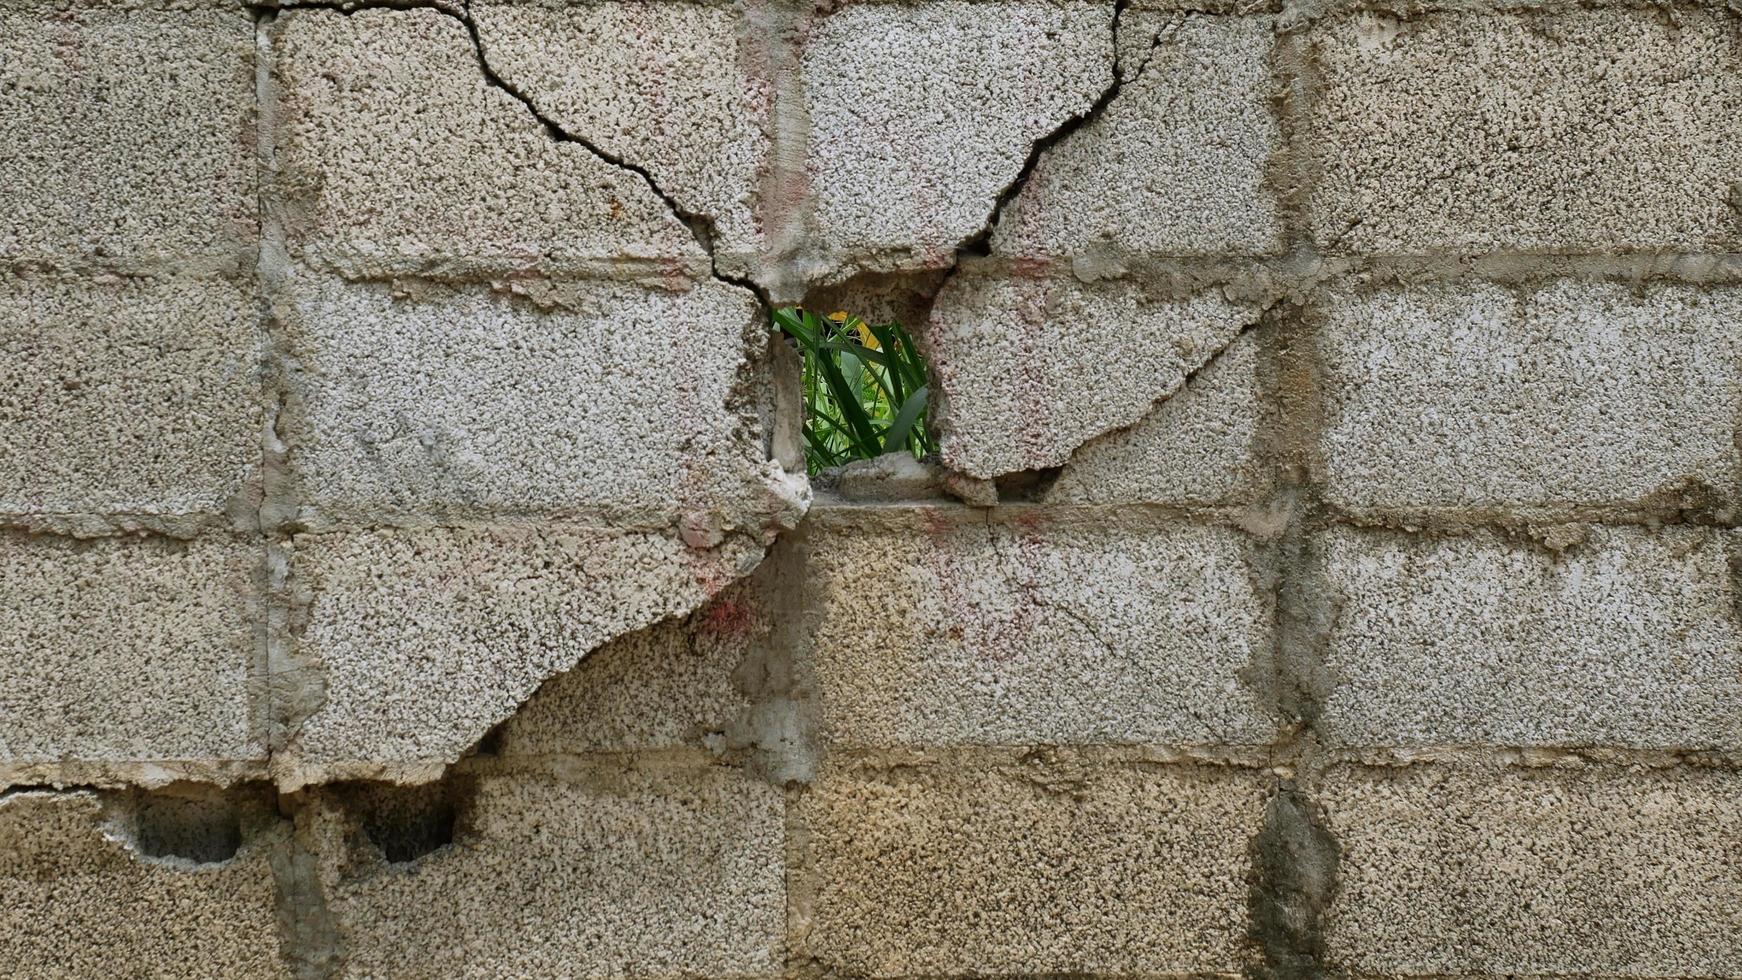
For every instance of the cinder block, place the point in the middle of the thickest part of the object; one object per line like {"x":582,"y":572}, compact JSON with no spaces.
{"x":1598,"y":872}
{"x":922,"y":113}
{"x":599,"y":873}
{"x":128,"y":396}
{"x":426,"y":639}
{"x":623,"y":403}
{"x":1566,"y":395}
{"x":677,"y":88}
{"x":1579,"y":130}
{"x":395,"y":152}
{"x":939,"y":628}
{"x":81,"y":897}
{"x":119,"y":650}
{"x":1631,"y":637}
{"x":1175,"y":165}
{"x":129,"y":133}
{"x":1031,"y":366}
{"x":1029,"y":867}
{"x":1194,"y":448}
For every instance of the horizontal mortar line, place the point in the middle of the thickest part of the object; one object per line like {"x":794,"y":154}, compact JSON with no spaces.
{"x":1310,"y":269}
{"x":239,"y":267}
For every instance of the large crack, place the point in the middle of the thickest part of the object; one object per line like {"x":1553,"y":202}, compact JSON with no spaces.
{"x":704,"y":227}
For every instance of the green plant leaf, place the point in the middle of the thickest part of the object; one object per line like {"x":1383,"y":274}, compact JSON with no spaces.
{"x":911,"y":410}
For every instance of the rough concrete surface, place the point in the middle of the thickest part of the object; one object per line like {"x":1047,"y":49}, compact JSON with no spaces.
{"x":1581,"y":130}
{"x":1031,"y":366}
{"x":127,"y":649}
{"x":79,"y":898}
{"x":128,"y":133}
{"x":1176,"y":163}
{"x":621,"y":402}
{"x":1028,"y":866}
{"x":938,"y":629}
{"x":426,"y":639}
{"x":1631,"y":637}
{"x":395,"y":154}
{"x":128,"y":396}
{"x":1565,"y":395}
{"x":590,"y":873}
{"x":921,"y":114}
{"x":1569,"y":872}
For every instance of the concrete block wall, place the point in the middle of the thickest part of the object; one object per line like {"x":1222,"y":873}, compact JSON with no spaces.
{"x":1330,"y":569}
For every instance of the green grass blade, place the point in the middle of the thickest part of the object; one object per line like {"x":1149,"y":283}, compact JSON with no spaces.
{"x":911,"y":410}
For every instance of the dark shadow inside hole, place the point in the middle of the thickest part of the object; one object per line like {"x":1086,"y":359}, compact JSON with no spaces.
{"x":1027,"y":485}
{"x":203,"y":828}
{"x":406,"y":822}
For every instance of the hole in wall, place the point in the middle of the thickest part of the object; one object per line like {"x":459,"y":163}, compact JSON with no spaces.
{"x":405,"y":823}
{"x":193,"y":823}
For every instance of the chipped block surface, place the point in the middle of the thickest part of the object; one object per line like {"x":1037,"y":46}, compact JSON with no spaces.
{"x":79,"y":900}
{"x":129,"y":133}
{"x":1603,"y":872}
{"x":922,"y":113}
{"x":395,"y":152}
{"x":1029,"y":867}
{"x":1631,"y":637}
{"x":1582,"y":130}
{"x":939,"y":628}
{"x":139,"y":396}
{"x":620,"y":402}
{"x":600,"y":873}
{"x":1469,"y":395}
{"x":1029,"y":367}
{"x":1194,"y":448}
{"x":127,"y":649}
{"x":1175,"y":164}
{"x":664,"y":85}
{"x":428,"y":638}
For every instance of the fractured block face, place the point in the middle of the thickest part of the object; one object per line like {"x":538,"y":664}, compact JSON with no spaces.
{"x":1600,"y":872}
{"x":939,"y":628}
{"x":1030,"y":366}
{"x":395,"y":153}
{"x":1029,"y":867}
{"x":81,"y":898}
{"x":676,"y":88}
{"x":426,"y":639}
{"x":1175,"y":164}
{"x":597,"y":873}
{"x":1582,"y":130}
{"x":128,"y":133}
{"x":129,"y":396}
{"x":621,"y":402}
{"x":1568,"y":394}
{"x":922,"y":113}
{"x":1629,"y":638}
{"x":127,"y":650}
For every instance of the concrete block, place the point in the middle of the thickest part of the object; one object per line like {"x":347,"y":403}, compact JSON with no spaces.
{"x":1028,"y":867}
{"x":677,"y":88}
{"x":1194,"y":448}
{"x":624,"y":403}
{"x":922,"y":113}
{"x":129,"y":133}
{"x":128,"y":396}
{"x":1579,"y":130}
{"x":599,"y":873}
{"x":395,"y":153}
{"x":1175,"y":164}
{"x":123,"y":650}
{"x":83,"y":894}
{"x":426,"y":639}
{"x":1631,"y":637}
{"x":1599,"y":872}
{"x":939,"y":628}
{"x":1031,"y":366}
{"x":1564,"y":395}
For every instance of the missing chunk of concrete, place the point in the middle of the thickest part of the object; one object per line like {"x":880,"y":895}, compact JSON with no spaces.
{"x":404,"y":823}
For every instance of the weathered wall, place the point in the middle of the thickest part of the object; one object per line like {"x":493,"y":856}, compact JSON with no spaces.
{"x":406,"y":573}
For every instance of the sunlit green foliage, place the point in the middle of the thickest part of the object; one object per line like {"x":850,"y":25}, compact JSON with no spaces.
{"x":865,"y":388}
